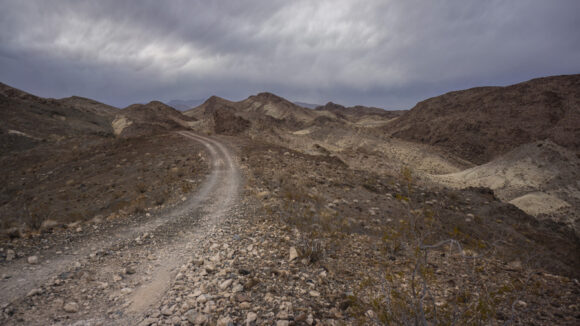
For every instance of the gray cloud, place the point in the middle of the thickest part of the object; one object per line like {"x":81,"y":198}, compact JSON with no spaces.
{"x":384,"y":53}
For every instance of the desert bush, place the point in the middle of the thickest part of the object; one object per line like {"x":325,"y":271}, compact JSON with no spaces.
{"x":311,"y":248}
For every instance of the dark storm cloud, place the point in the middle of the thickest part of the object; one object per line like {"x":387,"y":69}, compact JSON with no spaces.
{"x":385,"y":53}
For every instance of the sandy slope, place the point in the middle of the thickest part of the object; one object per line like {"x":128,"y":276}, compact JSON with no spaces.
{"x":540,"y":178}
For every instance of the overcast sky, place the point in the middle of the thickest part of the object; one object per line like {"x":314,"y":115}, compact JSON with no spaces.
{"x":390,"y":54}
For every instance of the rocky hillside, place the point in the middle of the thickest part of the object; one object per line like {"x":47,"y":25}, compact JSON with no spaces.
{"x":28,"y":120}
{"x":359,"y":112}
{"x":103,"y":161}
{"x":151,"y":118}
{"x":481,"y":123}
{"x":264,"y":110}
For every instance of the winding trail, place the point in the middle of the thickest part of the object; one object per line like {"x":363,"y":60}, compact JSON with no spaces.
{"x":216,"y":198}
{"x":176,"y":233}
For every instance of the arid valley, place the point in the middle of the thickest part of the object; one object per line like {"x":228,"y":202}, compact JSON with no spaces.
{"x":462,"y":210}
{"x":289,"y":163}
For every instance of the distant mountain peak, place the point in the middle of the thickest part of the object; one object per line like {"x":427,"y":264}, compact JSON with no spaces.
{"x":269,"y":97}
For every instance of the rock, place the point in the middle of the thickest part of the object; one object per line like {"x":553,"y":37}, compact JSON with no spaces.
{"x":209,"y":267}
{"x":515,"y":265}
{"x":196,"y":318}
{"x":197,"y":293}
{"x":314,"y":294}
{"x":167,"y":311}
{"x":126,"y":290}
{"x":300,"y":318}
{"x":282,"y":315}
{"x":216,"y":258}
{"x":263,"y":195}
{"x":238,"y":288}
{"x":71,"y":307}
{"x":32,"y":260}
{"x":310,"y":319}
{"x":130,"y":270}
{"x":335,"y":313}
{"x":282,"y":323}
{"x":250,"y":284}
{"x":293,"y":254}
{"x":225,"y":284}
{"x":251,"y":317}
{"x":243,"y":271}
{"x":522,"y":304}
{"x":225,"y":321}
{"x":240,"y":297}
{"x":34,"y":292}
{"x":202,"y":298}
{"x":10,"y":255}
{"x":245,"y":305}
{"x":191,"y":315}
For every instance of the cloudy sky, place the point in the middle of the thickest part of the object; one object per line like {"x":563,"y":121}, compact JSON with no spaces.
{"x":376,"y":52}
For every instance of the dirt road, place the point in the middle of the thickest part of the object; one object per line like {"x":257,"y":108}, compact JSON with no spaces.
{"x":113,"y":277}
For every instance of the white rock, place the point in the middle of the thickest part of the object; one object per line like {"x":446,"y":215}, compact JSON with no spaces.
{"x":126,"y":290}
{"x":225,"y":284}
{"x":251,"y":317}
{"x":293,"y":254}
{"x":32,"y":260}
{"x":282,"y":323}
{"x":238,"y":288}
{"x":314,"y":293}
{"x":71,"y":307}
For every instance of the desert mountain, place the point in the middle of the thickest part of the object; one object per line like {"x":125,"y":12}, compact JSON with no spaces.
{"x":481,"y":123}
{"x":100,"y":158}
{"x":361,"y":114}
{"x":266,"y":110}
{"x":28,"y":120}
{"x":153,"y":117}
{"x":257,"y":107}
